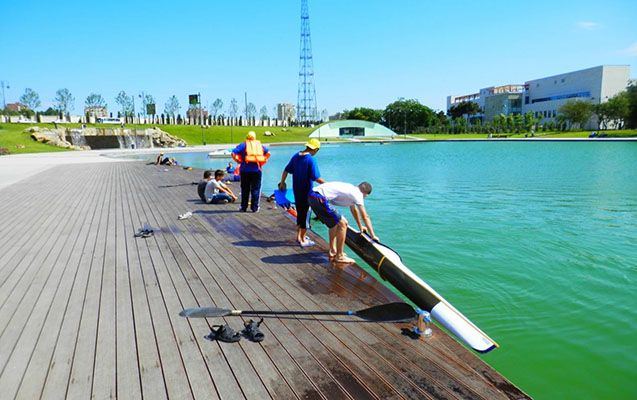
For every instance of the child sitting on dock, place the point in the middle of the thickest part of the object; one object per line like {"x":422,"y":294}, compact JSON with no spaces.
{"x":217,"y":192}
{"x":201,"y":186}
{"x":322,"y":200}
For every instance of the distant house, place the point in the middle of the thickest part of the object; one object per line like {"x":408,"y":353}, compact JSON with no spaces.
{"x":16,"y":107}
{"x":96,"y":111}
{"x":195,"y":112}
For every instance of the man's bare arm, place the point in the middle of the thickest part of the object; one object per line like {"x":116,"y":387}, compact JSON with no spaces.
{"x":368,"y":222}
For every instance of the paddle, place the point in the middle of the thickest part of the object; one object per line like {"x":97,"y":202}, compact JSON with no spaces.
{"x":382,"y":313}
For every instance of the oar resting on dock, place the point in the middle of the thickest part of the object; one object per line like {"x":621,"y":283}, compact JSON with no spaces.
{"x":391,"y":312}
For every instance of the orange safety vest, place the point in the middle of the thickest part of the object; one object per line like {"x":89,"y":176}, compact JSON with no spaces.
{"x":254,"y":153}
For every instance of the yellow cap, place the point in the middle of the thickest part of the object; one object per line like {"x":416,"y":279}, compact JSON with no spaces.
{"x":313,"y":144}
{"x":251,"y":135}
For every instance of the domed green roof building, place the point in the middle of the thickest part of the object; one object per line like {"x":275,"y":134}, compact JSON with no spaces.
{"x":352,"y":128}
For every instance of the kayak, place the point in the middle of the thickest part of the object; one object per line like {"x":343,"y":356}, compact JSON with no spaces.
{"x":390,"y":267}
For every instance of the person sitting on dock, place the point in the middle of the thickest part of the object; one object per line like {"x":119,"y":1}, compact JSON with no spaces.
{"x":201,"y":186}
{"x":322,"y":199}
{"x":160,"y":159}
{"x":233,"y":173}
{"x":217,"y":192}
{"x":305,"y":172}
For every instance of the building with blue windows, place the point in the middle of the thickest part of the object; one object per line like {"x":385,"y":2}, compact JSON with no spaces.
{"x":543,"y":97}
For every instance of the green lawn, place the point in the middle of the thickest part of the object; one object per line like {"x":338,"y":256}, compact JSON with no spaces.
{"x":12,"y":137}
{"x":224,"y":134}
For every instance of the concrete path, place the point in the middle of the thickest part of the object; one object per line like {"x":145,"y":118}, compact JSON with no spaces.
{"x":14,"y":168}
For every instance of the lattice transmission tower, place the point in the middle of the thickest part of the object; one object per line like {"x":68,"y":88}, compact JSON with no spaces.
{"x":306,"y":99}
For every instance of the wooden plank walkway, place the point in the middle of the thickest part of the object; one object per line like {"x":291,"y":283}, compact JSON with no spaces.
{"x":87,"y":310}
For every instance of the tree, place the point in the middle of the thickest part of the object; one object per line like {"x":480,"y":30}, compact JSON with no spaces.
{"x":576,"y":112}
{"x":441,"y":118}
{"x":365,"y":114}
{"x":468,"y":108}
{"x":407,"y":115}
{"x":126,"y":103}
{"x":250,"y":111}
{"x":30,"y":98}
{"x":264,"y":112}
{"x":631,"y":117}
{"x":50,"y":111}
{"x":325,"y":115}
{"x":216,"y":106}
{"x":618,"y":109}
{"x":529,"y":121}
{"x":234,"y":108}
{"x":171,"y":108}
{"x":95,"y":100}
{"x":64,"y":101}
{"x":146,"y":100}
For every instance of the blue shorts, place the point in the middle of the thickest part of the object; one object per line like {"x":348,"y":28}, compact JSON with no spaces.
{"x":323,"y":210}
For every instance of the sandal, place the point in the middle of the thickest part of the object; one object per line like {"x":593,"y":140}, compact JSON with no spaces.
{"x":252,"y":331}
{"x":224,"y":333}
{"x":144,"y":233}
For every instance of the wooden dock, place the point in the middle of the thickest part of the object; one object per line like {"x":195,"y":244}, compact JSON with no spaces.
{"x":89,"y":311}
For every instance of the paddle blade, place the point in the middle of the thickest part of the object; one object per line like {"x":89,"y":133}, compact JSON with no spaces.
{"x":204,"y":312}
{"x":387,"y":312}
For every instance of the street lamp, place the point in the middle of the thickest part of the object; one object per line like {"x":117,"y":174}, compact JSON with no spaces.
{"x":4,"y":85}
{"x":143,"y":97}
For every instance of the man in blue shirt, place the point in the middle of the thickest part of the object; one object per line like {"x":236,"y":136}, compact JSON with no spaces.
{"x":305,"y":172}
{"x":251,"y":155}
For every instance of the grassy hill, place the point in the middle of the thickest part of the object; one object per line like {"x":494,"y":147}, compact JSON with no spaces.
{"x":13,"y":138}
{"x":16,"y":141}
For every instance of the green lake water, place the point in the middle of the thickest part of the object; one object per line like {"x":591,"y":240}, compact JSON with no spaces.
{"x":535,"y":242}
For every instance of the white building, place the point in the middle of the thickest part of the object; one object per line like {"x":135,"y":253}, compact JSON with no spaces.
{"x":493,"y":100}
{"x":545,"y":96}
{"x":285,"y":111}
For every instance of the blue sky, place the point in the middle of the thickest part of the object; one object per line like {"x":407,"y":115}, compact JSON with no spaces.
{"x":366,"y":52}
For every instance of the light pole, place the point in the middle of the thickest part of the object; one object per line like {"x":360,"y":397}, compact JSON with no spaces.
{"x":143,"y":97}
{"x":133,"y":110}
{"x":4,"y":101}
{"x":203,"y":140}
{"x":405,"y":122}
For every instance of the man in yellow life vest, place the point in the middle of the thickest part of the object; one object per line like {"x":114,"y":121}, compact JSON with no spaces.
{"x":251,"y":155}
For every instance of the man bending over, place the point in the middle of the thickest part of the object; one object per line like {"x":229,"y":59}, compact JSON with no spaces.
{"x":324,"y":197}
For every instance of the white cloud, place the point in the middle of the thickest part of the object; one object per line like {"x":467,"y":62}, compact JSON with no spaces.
{"x":630,"y":50}
{"x":587,"y":25}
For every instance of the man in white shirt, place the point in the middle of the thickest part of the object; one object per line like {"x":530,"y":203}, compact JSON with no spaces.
{"x":322,"y":199}
{"x":217,"y":191}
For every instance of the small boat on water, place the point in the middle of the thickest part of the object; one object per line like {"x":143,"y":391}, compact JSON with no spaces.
{"x":221,"y":153}
{"x":390,"y":267}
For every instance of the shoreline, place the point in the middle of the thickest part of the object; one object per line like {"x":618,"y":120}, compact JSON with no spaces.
{"x":16,"y":167}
